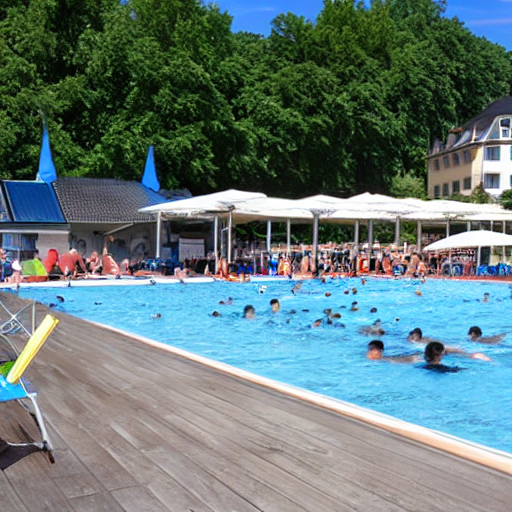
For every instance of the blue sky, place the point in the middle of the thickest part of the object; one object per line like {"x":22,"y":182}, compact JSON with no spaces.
{"x":490,"y":18}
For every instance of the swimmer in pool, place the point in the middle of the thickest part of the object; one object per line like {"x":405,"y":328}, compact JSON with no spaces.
{"x":434,"y":352}
{"x":373,"y":330}
{"x":416,"y":336}
{"x":486,"y":297}
{"x":354,"y":307}
{"x":297,"y":287}
{"x":475,"y":334}
{"x":274,"y":305}
{"x":376,"y":353}
{"x":249,"y":312}
{"x":227,"y":302}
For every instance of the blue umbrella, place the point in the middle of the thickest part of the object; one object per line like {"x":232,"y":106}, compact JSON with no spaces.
{"x":149,"y":179}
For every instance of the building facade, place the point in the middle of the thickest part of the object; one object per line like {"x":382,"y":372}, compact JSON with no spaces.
{"x":479,"y":152}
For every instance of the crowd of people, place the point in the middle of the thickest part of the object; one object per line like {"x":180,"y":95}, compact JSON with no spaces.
{"x":351,"y":260}
{"x":344,"y":260}
{"x":430,"y":357}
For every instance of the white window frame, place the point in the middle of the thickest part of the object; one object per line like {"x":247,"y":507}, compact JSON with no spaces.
{"x":489,"y":180}
{"x":489,"y":150}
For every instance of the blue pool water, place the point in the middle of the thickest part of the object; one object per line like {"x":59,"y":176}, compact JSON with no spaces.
{"x":475,"y":404}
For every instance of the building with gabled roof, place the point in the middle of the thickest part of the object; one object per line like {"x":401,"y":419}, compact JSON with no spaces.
{"x":73,"y":212}
{"x":478,"y":152}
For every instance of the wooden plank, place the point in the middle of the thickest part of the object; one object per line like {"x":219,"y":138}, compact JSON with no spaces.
{"x":9,"y":499}
{"x":103,"y":502}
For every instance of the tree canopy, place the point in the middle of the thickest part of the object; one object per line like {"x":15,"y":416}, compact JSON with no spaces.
{"x":347,"y":104}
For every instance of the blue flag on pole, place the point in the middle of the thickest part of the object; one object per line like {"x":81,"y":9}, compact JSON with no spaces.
{"x":47,"y":171}
{"x":149,"y":179}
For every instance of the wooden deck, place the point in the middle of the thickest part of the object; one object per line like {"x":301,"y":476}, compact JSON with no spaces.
{"x":138,"y":429}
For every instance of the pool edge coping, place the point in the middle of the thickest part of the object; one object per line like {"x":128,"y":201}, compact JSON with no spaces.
{"x":474,"y":452}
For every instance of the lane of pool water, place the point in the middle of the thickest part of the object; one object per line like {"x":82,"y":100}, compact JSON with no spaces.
{"x":474,"y":404}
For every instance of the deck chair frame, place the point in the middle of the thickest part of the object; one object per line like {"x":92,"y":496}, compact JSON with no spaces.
{"x":20,"y":392}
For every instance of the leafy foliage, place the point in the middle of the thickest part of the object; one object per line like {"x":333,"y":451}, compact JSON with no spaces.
{"x":346,"y":104}
{"x":506,"y":199}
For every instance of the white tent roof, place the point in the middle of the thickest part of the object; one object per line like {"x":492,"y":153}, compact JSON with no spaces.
{"x":471,"y":239}
{"x":247,"y":206}
{"x":218,"y":202}
{"x":270,"y":208}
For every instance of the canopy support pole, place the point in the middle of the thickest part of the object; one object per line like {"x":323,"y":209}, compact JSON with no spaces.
{"x":158,"y":234}
{"x":356,"y":233}
{"x":216,"y":242}
{"x":491,"y":248}
{"x":314,"y":261}
{"x":419,"y":235}
{"x":447,"y":228}
{"x":504,"y":232}
{"x":468,"y":225}
{"x":370,"y":241}
{"x":397,"y":232}
{"x":269,"y":236}
{"x":288,"y":237}
{"x":230,"y":234}
{"x":478,"y":258}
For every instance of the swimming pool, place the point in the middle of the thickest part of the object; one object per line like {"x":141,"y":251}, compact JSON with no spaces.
{"x":475,"y":404}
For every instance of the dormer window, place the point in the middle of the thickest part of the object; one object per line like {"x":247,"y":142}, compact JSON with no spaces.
{"x":500,"y":129}
{"x":505,"y":128}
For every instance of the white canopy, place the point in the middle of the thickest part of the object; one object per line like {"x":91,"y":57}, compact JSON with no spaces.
{"x":218,"y":202}
{"x":270,"y":208}
{"x":471,"y":239}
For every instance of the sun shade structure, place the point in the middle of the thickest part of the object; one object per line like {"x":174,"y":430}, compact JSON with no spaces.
{"x":216,"y":203}
{"x":480,"y":238}
{"x":271,"y":208}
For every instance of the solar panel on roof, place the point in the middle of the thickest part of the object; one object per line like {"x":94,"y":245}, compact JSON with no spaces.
{"x":33,"y":202}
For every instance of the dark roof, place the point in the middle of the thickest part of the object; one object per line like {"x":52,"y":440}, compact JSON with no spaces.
{"x":483,"y":120}
{"x":101,"y":200}
{"x":32,"y":201}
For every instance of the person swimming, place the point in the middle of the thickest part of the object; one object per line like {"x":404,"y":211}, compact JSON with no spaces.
{"x":354,"y":306}
{"x":375,"y":352}
{"x":373,"y":330}
{"x":249,"y":312}
{"x":274,"y":305}
{"x":434,"y":352}
{"x":297,"y":287}
{"x":416,"y":336}
{"x":475,"y":334}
